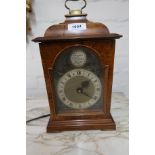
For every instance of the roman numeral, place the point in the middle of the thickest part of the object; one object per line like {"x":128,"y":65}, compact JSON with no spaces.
{"x":69,"y":75}
{"x":78,"y":72}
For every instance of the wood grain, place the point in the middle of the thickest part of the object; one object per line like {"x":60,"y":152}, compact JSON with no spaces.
{"x":96,"y":37}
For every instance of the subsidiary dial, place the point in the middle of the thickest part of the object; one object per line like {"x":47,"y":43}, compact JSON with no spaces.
{"x":78,"y":58}
{"x":79,"y":89}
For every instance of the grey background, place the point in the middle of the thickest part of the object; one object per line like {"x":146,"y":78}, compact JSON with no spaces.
{"x":113,"y":13}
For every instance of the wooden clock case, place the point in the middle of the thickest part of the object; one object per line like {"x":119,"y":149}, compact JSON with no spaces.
{"x":96,"y":37}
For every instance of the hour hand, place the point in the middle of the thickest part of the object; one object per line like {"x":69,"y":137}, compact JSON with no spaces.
{"x":85,"y":84}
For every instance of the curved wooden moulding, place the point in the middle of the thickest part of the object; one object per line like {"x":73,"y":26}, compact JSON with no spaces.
{"x":61,"y":32}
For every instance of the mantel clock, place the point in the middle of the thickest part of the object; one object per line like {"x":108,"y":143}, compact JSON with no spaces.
{"x":78,"y":58}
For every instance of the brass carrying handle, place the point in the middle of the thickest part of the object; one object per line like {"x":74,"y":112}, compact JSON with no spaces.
{"x":75,"y":0}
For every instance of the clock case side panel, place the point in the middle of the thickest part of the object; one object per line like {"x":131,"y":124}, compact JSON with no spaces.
{"x":110,"y":56}
{"x":47,"y":60}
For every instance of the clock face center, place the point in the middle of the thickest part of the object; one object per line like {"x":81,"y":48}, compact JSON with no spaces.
{"x":79,"y":90}
{"x":75,"y":92}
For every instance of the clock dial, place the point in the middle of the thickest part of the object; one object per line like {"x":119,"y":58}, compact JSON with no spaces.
{"x":79,"y":89}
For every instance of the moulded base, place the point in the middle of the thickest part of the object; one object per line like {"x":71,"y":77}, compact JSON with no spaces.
{"x":83,"y":124}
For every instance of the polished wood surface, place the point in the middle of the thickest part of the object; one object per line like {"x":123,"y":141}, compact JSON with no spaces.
{"x":61,"y":32}
{"x":102,"y":42}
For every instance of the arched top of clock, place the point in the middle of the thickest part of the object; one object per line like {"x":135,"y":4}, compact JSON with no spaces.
{"x":76,"y":26}
{"x":61,"y":31}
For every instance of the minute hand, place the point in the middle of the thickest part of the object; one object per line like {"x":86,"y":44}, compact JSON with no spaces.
{"x":80,"y":91}
{"x":84,"y":93}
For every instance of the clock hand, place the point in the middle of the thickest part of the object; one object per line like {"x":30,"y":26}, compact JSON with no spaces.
{"x":85,"y":84}
{"x":84,"y":93}
{"x":80,"y":91}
